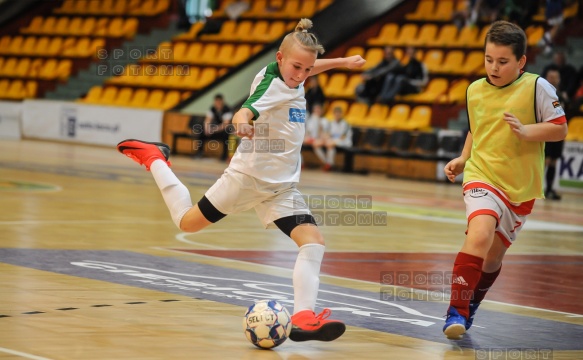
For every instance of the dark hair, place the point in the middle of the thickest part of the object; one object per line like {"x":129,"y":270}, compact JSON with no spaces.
{"x":218,"y":96}
{"x":508,"y":34}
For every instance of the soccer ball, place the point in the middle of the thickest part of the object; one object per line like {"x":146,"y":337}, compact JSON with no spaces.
{"x":267,"y":324}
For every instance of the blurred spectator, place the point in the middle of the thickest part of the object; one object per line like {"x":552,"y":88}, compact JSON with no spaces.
{"x":235,"y":9}
{"x":314,"y":93}
{"x":316,"y":124}
{"x":520,"y":12}
{"x":554,"y":17}
{"x":338,"y":133}
{"x":553,"y":150}
{"x":216,"y":124}
{"x":569,"y":76}
{"x":373,"y":78}
{"x":486,"y":10}
{"x":408,"y":79}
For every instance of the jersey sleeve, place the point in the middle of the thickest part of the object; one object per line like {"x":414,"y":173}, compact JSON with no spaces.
{"x":269,"y":93}
{"x":548,"y":107}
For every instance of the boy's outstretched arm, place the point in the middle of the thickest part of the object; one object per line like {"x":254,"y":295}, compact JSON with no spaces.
{"x":545,"y":131}
{"x":351,"y":62}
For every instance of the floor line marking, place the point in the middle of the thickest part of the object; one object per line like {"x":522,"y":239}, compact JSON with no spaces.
{"x":22,"y":354}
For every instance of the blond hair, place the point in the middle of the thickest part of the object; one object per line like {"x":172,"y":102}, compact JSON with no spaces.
{"x":301,"y":37}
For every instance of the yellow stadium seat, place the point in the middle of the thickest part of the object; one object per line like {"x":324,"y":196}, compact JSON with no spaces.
{"x":276,"y":30}
{"x":171,"y":99}
{"x":534,"y":34}
{"x":130,"y":28}
{"x":179,"y":51}
{"x":467,"y":37}
{"x":433,"y":60}
{"x":190,"y":81}
{"x":259,"y":31}
{"x":48,"y":26}
{"x":377,"y":114}
{"x":335,"y":85}
{"x":140,"y":97}
{"x":342,"y":104}
{"x":16,"y":45}
{"x":351,"y":84}
{"x":356,"y":113}
{"x":54,"y":47}
{"x":226,"y":33}
{"x":16,"y":90}
{"x":386,"y":34}
{"x":115,"y":27}
{"x":4,"y":84}
{"x":22,"y":67}
{"x":452,"y":63}
{"x":447,"y":36}
{"x":101,"y":27}
{"x":479,"y":41}
{"x":63,"y":70}
{"x":49,"y":69}
{"x":432,"y":91}
{"x":193,"y":52}
{"x":443,"y":10}
{"x":76,"y":26}
{"x":124,"y":96}
{"x":397,"y":117}
{"x":242,"y":53}
{"x":34,"y":27}
{"x":61,"y":26}
{"x":426,"y":36}
{"x":419,"y":119}
{"x":243,"y":31}
{"x":307,"y":9}
{"x":456,"y":93}
{"x":257,"y":9}
{"x":9,"y":67}
{"x":474,"y":63}
{"x":155,"y":99}
{"x":407,"y":35}
{"x":322,"y":4}
{"x":5,"y":43}
{"x":42,"y":45}
{"x":424,"y":11}
{"x":81,"y":6}
{"x":208,"y":54}
{"x":192,"y":32}
{"x":373,"y":56}
{"x":575,"y":132}
{"x":207,"y":76}
{"x":224,"y":55}
{"x":108,"y":95}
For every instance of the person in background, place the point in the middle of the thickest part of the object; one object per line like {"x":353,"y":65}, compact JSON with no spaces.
{"x":373,"y":78}
{"x":338,"y":133}
{"x":314,"y":94}
{"x":409,"y":79}
{"x":554,"y":149}
{"x":215,"y":126}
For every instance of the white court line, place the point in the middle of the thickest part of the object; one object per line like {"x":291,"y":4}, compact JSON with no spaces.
{"x":567,"y":314}
{"x":23,"y":354}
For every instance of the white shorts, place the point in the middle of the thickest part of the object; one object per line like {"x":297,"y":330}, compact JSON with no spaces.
{"x":235,"y":192}
{"x":481,"y":201}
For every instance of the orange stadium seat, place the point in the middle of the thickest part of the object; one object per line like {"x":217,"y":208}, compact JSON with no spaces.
{"x":456,"y":93}
{"x":193,"y":52}
{"x":377,"y":114}
{"x":61,"y":26}
{"x":419,"y":119}
{"x":467,"y":37}
{"x":226,"y":33}
{"x":208,"y":54}
{"x":433,"y":60}
{"x":356,"y":113}
{"x":372,"y":56}
{"x":447,"y":36}
{"x":432,"y":91}
{"x":93,"y":95}
{"x":453,"y":62}
{"x":171,"y":99}
{"x":474,"y":63}
{"x":407,"y":34}
{"x":426,"y":36}
{"x":276,"y":30}
{"x":124,"y":95}
{"x":424,"y":11}
{"x":397,"y":117}
{"x":335,"y":86}
{"x":575,"y":132}
{"x":139,"y":99}
{"x":34,"y":26}
{"x":192,"y":32}
{"x":387,"y":32}
{"x":443,"y":10}
{"x":243,"y":31}
{"x":207,"y":76}
{"x":342,"y":104}
{"x":242,"y":53}
{"x":307,"y":9}
{"x":259,"y":31}
{"x":155,"y":99}
{"x":224,"y":55}
{"x":351,"y":84}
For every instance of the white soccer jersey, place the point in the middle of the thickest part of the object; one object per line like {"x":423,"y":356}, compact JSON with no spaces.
{"x":273,"y":155}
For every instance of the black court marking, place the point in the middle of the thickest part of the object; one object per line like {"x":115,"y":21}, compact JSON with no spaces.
{"x":97,"y":305}
{"x":413,"y":318}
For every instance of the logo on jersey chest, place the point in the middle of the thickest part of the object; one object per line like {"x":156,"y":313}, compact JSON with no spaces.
{"x":297,"y":115}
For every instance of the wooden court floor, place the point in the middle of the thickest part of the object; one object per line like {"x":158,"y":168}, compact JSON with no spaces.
{"x":92,"y":267}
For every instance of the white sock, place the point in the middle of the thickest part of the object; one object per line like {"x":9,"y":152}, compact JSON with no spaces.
{"x":330,"y":156}
{"x":320,"y":154}
{"x":306,"y":276}
{"x":175,"y":194}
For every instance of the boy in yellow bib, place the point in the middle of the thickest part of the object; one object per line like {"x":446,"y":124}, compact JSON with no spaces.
{"x":511,"y":115}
